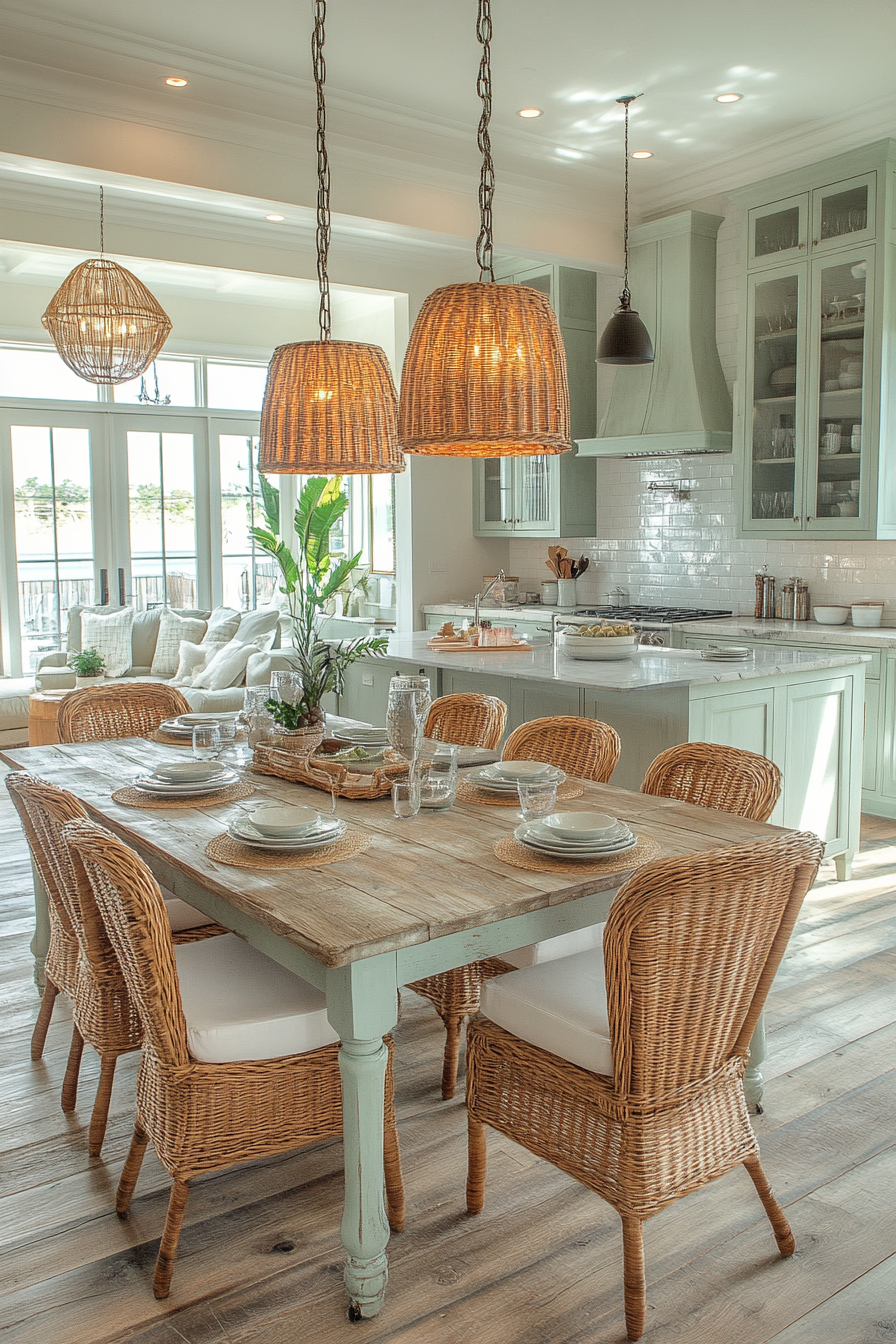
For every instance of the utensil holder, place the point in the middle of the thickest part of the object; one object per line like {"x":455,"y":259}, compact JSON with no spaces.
{"x":566,"y":592}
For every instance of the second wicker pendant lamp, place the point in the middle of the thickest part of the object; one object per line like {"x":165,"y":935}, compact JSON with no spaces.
{"x":330,"y":407}
{"x":485,"y":370}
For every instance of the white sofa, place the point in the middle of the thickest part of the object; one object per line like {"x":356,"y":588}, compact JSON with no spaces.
{"x":53,"y":673}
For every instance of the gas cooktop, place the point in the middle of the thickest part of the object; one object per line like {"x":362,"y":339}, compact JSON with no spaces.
{"x":646,"y":615}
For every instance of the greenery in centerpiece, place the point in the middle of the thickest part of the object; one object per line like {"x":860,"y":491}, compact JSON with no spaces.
{"x":311,"y":577}
{"x":87,"y":663}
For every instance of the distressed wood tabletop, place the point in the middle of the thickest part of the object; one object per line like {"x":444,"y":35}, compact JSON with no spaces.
{"x":422,"y":878}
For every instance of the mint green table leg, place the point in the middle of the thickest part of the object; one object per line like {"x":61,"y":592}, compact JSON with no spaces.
{"x":362,"y":1005}
{"x":753,"y":1081}
{"x":41,"y":940}
{"x":843,"y":866}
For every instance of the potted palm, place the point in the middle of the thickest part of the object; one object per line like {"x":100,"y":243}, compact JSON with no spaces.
{"x":89,"y":667}
{"x":312,"y":575}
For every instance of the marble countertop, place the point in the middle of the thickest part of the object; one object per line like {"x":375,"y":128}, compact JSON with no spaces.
{"x":647,"y":668}
{"x":806,"y":632}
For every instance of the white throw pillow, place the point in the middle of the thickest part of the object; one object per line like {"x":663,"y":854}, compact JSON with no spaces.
{"x":227,"y":668}
{"x":192,"y":659}
{"x":110,"y":636}
{"x":172,"y":630}
{"x":223,"y":625}
{"x":263,"y":621}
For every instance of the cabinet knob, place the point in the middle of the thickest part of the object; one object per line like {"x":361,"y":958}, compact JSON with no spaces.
{"x":814,"y":242}
{"x":801,"y":246}
{"x":796,"y":517}
{"x":808,"y":517}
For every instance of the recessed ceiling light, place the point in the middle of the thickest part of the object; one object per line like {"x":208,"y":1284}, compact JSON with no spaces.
{"x":728,"y":97}
{"x":275,"y":219}
{"x":529,"y":112}
{"x":177,"y":81}
{"x":642,"y":154}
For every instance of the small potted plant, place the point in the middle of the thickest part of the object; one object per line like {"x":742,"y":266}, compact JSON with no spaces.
{"x":89,"y":667}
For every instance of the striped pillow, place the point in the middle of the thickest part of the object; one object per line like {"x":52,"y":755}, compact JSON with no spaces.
{"x":173,"y":629}
{"x":111,"y":636}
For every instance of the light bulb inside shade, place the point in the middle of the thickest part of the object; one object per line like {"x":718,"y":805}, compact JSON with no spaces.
{"x":642,"y":154}
{"x":176,"y":82}
{"x":728,"y":97}
{"x":529,"y":112}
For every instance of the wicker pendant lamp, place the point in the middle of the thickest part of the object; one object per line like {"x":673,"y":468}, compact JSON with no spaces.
{"x":104,"y":322}
{"x":485,"y":370}
{"x":625,"y":339}
{"x":330,"y":407}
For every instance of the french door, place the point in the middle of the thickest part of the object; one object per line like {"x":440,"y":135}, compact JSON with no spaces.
{"x":114,"y":507}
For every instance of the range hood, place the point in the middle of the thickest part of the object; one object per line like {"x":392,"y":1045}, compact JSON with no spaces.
{"x":679,"y":404}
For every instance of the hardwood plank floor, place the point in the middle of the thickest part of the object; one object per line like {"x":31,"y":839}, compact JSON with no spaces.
{"x":260,"y":1258}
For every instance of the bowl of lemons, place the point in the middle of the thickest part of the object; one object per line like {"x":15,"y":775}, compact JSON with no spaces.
{"x":603,"y":641}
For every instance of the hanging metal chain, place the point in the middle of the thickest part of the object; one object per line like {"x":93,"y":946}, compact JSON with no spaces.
{"x":102,"y":223}
{"x":625,"y":296}
{"x":323,"y":166}
{"x":484,"y":254}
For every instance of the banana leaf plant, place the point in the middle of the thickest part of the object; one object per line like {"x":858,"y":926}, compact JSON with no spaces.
{"x":311,"y":576}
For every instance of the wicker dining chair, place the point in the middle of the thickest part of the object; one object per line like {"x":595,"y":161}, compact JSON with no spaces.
{"x":134,"y":709}
{"x":467,"y":720}
{"x":626,"y":1072}
{"x":725,"y":778}
{"x":206,"y":1114}
{"x":583,"y":747}
{"x":80,"y":961}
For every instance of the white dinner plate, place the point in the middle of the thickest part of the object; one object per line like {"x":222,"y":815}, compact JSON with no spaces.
{"x":542,"y":830}
{"x":245,"y":832}
{"x":192,"y":721}
{"x":561,"y":851}
{"x":149,"y":784}
{"x":176,"y":729}
{"x":362,"y":737}
{"x":487,"y":778}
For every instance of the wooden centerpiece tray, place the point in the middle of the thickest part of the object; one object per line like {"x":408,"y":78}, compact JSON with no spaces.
{"x":330,"y":776}
{"x":458,"y":646}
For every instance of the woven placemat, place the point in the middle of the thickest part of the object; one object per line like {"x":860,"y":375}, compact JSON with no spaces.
{"x":509,"y":850}
{"x":131,"y":797}
{"x":224,"y":849}
{"x":467,"y":792}
{"x":170,"y":740}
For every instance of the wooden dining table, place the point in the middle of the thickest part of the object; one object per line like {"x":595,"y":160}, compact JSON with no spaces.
{"x":427,"y":895}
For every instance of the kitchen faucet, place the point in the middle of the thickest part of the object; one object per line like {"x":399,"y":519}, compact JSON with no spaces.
{"x":499,"y":578}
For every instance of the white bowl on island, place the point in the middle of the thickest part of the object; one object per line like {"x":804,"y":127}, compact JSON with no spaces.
{"x":599,"y":648}
{"x":830,"y":615}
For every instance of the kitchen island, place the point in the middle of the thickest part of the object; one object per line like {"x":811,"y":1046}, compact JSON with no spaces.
{"x":804,"y":710}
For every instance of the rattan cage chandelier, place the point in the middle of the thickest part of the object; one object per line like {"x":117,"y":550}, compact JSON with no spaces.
{"x":625,"y":339}
{"x":485,"y":370}
{"x":330,"y":407}
{"x":104,"y":322}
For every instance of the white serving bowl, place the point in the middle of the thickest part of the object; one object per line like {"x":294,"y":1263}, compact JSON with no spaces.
{"x":284,"y":823}
{"x":867,"y":614}
{"x":188,"y":772}
{"x":581,"y":825}
{"x":522,"y":771}
{"x":600,"y":648}
{"x":830,"y":615}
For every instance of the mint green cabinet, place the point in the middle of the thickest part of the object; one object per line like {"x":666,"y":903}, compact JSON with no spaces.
{"x":554,"y":495}
{"x":366,"y":692}
{"x":817,"y":351}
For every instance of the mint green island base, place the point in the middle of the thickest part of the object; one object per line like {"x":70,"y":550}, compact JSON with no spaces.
{"x":803,"y":710}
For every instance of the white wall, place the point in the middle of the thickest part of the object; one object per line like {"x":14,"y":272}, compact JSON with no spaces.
{"x":688,"y":553}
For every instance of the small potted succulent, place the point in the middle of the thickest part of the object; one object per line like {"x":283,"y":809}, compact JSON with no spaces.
{"x":89,"y":667}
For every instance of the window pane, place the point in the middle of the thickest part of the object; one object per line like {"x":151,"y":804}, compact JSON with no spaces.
{"x":54,"y":535}
{"x":41,"y":373}
{"x":162,"y":519}
{"x":167,"y":382}
{"x":249,"y":574}
{"x":382,"y":529}
{"x":237,"y":387}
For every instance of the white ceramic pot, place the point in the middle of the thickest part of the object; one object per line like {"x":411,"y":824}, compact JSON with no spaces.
{"x":566,"y":592}
{"x":81,"y":683}
{"x":867,"y":614}
{"x":830,"y":615}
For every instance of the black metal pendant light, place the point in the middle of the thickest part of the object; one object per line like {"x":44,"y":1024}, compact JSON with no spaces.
{"x":625,"y":339}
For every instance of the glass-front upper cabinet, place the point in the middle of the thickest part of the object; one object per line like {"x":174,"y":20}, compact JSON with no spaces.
{"x":776,"y":376}
{"x":779,"y":231}
{"x":843,"y":214}
{"x":517,"y":494}
{"x":841,"y":295}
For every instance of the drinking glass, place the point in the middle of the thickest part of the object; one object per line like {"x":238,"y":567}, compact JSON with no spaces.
{"x":286,"y":687}
{"x":406,"y":798}
{"x":408,"y":706}
{"x":438,"y":782}
{"x":206,"y":741}
{"x":538,"y":798}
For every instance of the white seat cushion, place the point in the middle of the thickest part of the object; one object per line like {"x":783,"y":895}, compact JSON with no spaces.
{"x":182,"y":916}
{"x":241,"y":1005}
{"x":551,"y":949}
{"x":560,"y":1006}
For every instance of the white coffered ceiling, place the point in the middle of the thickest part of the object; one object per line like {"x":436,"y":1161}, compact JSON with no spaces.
{"x":817,"y":78}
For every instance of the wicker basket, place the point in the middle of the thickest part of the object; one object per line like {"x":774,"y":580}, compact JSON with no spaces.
{"x":329,"y":776}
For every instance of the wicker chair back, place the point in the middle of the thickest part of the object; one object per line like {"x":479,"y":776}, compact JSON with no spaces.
{"x":583,"y":747}
{"x":725,"y":778}
{"x":467,"y":720}
{"x":103,"y":712}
